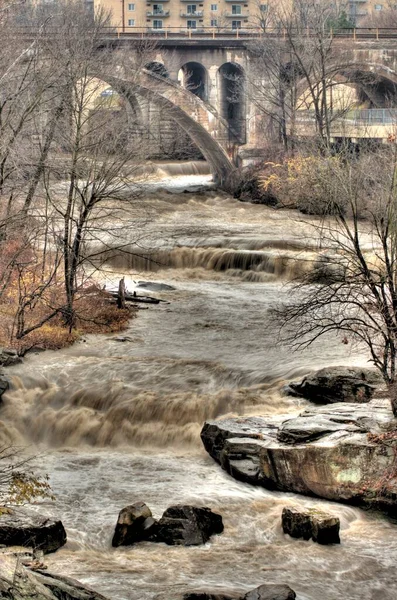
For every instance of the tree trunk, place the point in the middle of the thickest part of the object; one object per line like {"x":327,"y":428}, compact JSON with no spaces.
{"x":121,"y":294}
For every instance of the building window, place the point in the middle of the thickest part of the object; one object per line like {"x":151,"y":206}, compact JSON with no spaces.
{"x":214,"y":7}
{"x":191,"y":9}
{"x":378,"y":6}
{"x":192,"y":24}
{"x":236,"y":9}
{"x":263,"y":7}
{"x":131,"y":7}
{"x":131,"y":22}
{"x":157,"y":9}
{"x":157,"y":24}
{"x":214,"y":22}
{"x":236,"y":24}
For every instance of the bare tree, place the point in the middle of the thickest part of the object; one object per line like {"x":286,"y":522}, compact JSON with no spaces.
{"x":299,"y":70}
{"x":357,"y":296}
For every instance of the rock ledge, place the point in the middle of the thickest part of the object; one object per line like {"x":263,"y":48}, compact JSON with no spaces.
{"x":334,"y":452}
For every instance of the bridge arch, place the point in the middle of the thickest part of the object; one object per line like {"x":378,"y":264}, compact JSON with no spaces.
{"x":231,"y":82}
{"x":375,"y":84}
{"x":193,"y":76}
{"x":202,"y":124}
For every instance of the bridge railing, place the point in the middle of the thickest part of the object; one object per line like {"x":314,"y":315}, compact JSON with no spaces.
{"x":168,"y":32}
{"x":372,"y":116}
{"x":224,"y":33}
{"x":358,"y":117}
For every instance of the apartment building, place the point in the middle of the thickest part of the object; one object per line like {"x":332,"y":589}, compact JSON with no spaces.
{"x":365,"y":12}
{"x":175,"y":15}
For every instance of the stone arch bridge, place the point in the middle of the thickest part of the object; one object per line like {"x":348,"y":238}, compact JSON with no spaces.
{"x":204,"y":87}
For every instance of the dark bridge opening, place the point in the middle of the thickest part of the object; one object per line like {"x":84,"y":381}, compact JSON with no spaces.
{"x":374,"y":91}
{"x":157,"y":68}
{"x":193,"y":76}
{"x":231,"y":85}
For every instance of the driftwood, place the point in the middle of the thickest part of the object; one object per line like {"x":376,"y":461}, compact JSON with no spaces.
{"x":121,"y":294}
{"x":135,"y":298}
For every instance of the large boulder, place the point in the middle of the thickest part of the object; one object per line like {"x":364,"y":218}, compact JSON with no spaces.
{"x":271,"y":592}
{"x":19,"y":583}
{"x":133,"y":525}
{"x":187,"y":525}
{"x":311,"y":524}
{"x":20,"y":527}
{"x":339,"y":452}
{"x":337,"y":384}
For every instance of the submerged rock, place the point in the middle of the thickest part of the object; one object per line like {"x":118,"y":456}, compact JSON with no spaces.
{"x":19,"y":527}
{"x":334,"y":452}
{"x":311,"y":524}
{"x":133,"y":525}
{"x":19,"y":583}
{"x":271,"y":592}
{"x":210,"y":596}
{"x":187,"y":525}
{"x":263,"y":592}
{"x":337,"y":384}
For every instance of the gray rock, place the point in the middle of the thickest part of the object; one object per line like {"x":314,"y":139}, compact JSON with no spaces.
{"x":8,"y":358}
{"x":20,"y":527}
{"x":333,"y":452}
{"x":271,"y":592}
{"x":187,"y":525}
{"x":133,"y":525}
{"x":19,"y":583}
{"x":65,"y":588}
{"x":337,"y":384}
{"x":311,"y":524}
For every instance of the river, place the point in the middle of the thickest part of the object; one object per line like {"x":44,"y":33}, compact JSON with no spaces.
{"x":115,"y":422}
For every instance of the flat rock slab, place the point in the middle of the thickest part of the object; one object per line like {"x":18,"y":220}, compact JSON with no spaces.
{"x":311,"y":524}
{"x":20,"y":527}
{"x":19,"y":583}
{"x":334,"y":452}
{"x":318,"y":422}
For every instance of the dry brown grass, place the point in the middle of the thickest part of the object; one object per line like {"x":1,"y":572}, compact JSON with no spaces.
{"x":96,"y":312}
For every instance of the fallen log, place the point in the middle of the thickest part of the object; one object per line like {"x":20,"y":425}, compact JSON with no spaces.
{"x":135,"y":298}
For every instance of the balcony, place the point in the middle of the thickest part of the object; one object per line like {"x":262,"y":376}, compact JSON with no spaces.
{"x":156,"y":1}
{"x":187,"y":15}
{"x":158,"y":13}
{"x":243,"y":15}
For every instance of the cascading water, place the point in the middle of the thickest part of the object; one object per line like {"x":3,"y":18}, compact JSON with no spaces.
{"x":115,"y":422}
